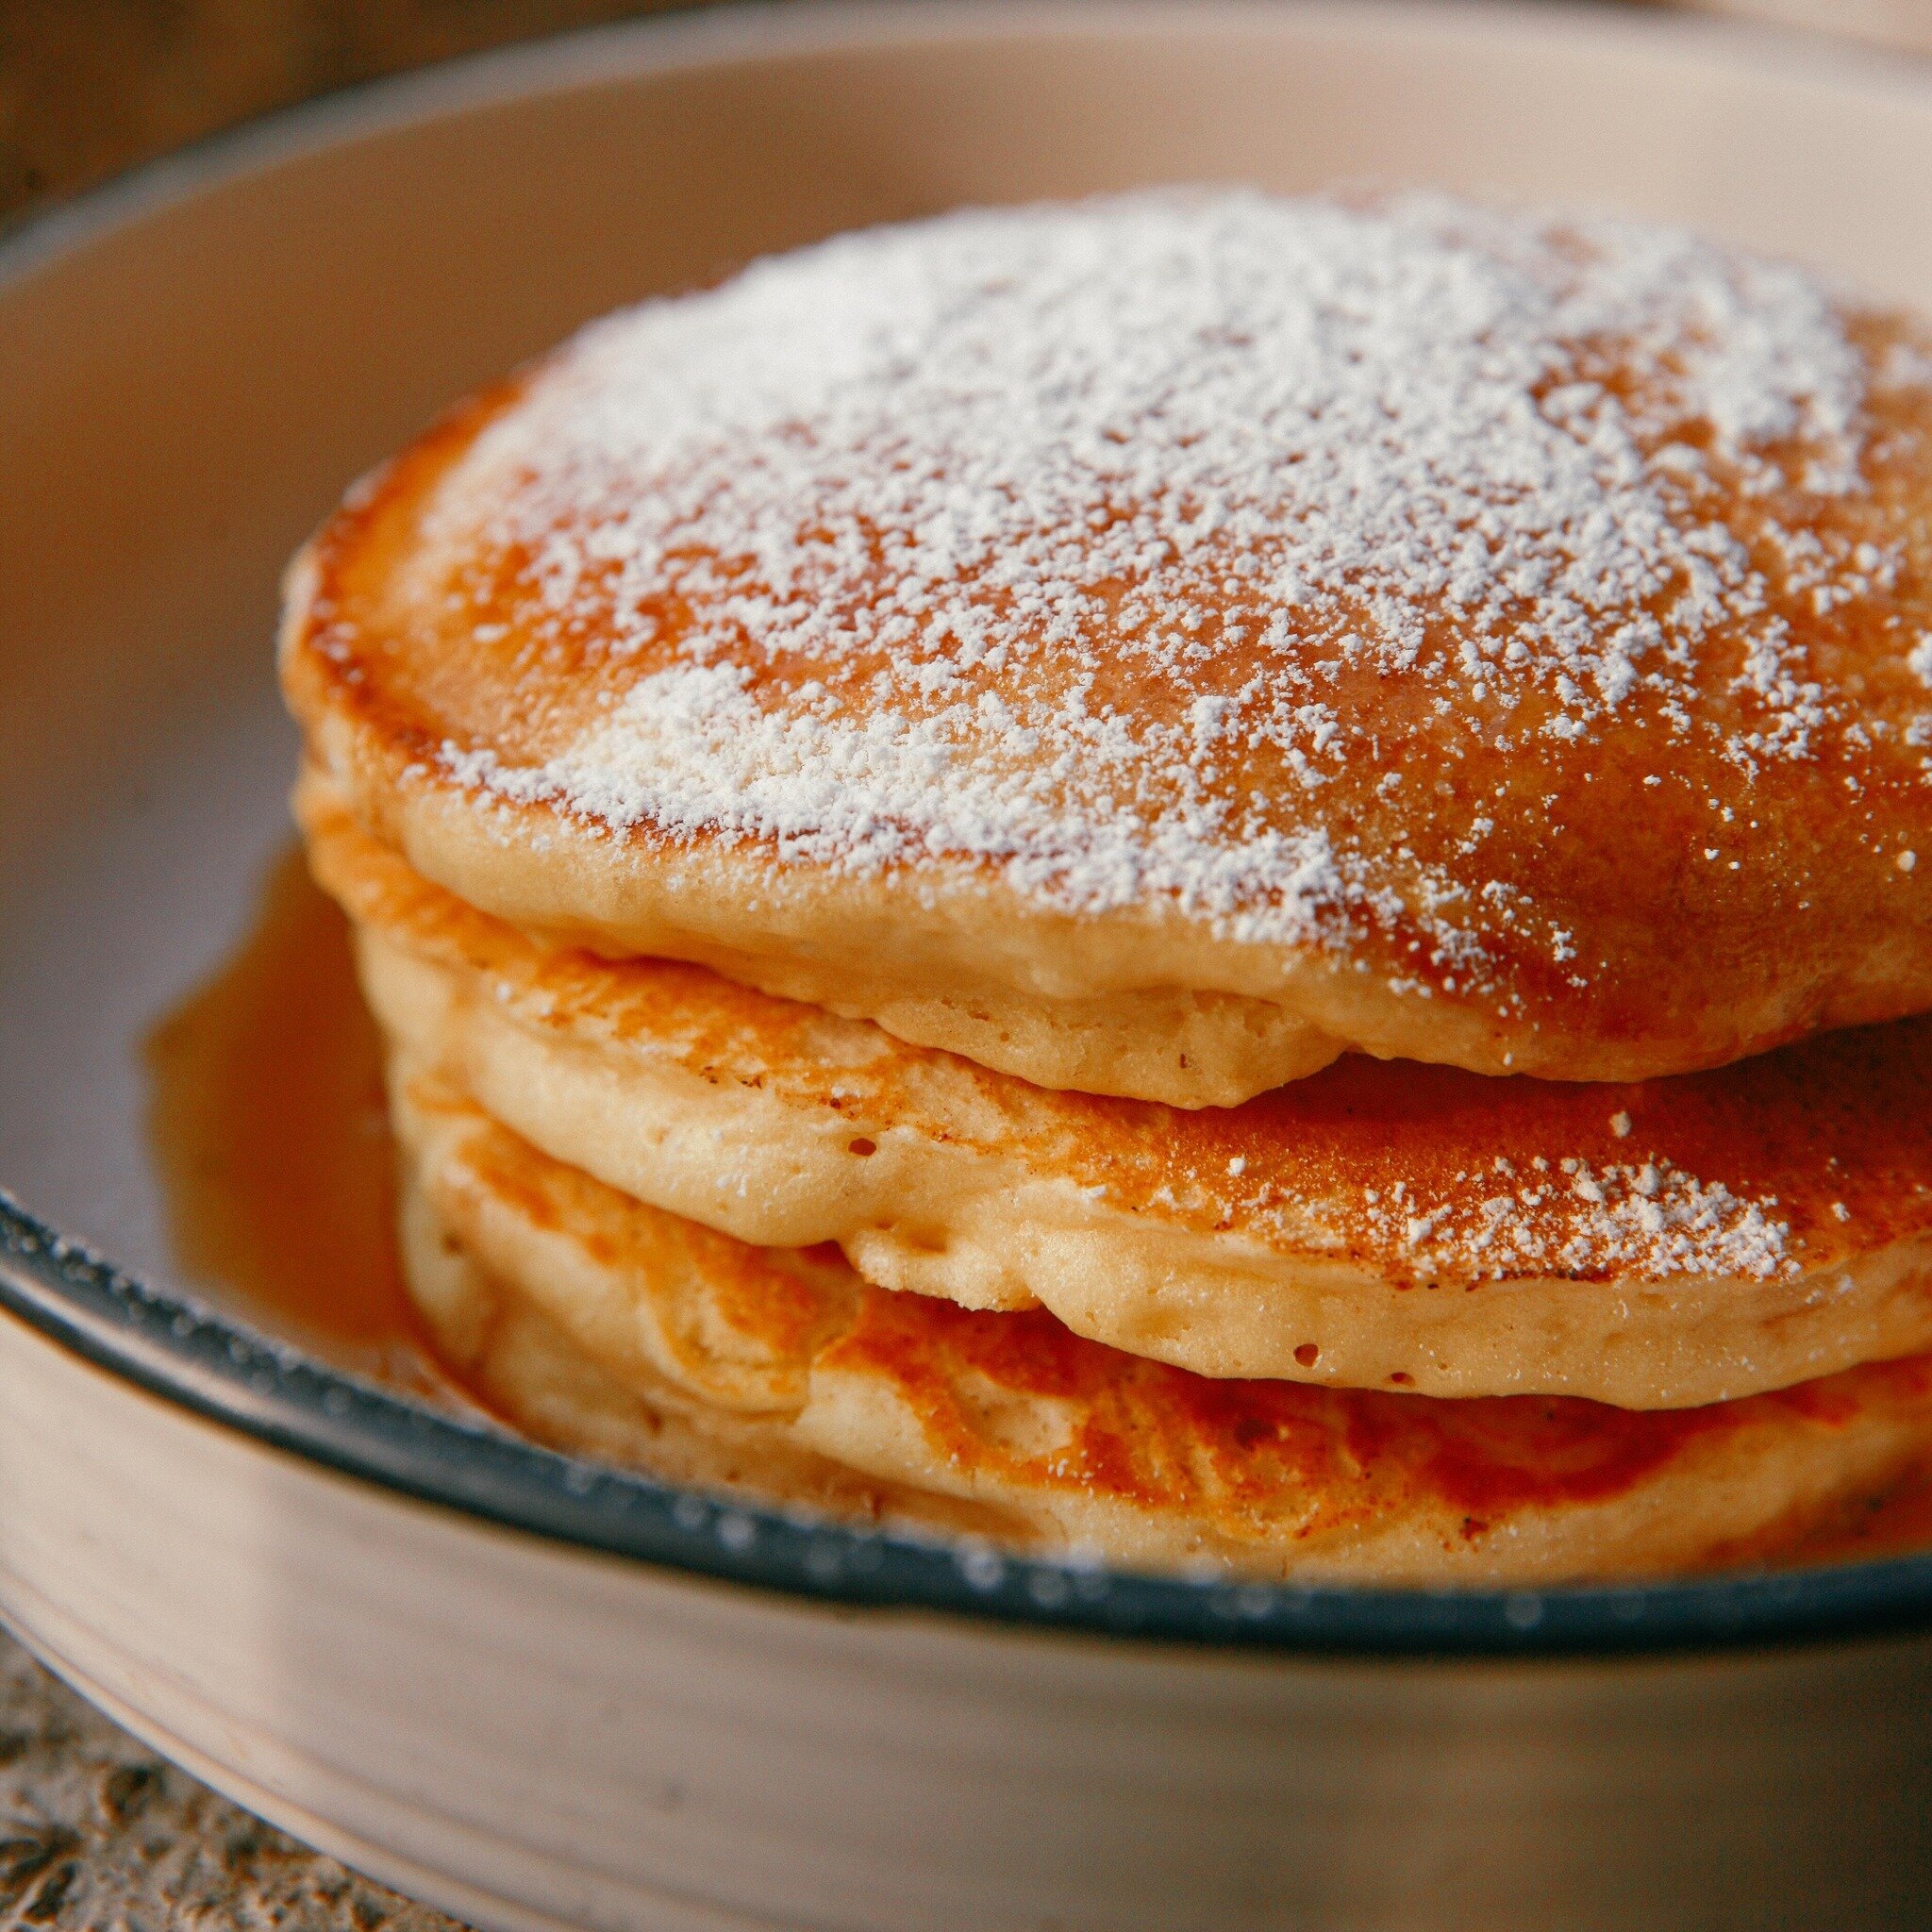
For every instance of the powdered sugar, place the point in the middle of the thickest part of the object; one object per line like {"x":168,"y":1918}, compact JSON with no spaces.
{"x":1502,"y":1220}
{"x":692,"y":748}
{"x":1065,"y":540}
{"x":1647,"y":1220}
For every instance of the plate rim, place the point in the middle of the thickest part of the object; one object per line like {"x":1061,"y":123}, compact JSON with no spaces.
{"x":224,"y":1369}
{"x":217,"y":1366}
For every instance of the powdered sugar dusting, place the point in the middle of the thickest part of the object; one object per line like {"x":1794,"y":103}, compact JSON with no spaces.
{"x":1068,"y":540}
{"x":692,"y":748}
{"x":1647,"y":1220}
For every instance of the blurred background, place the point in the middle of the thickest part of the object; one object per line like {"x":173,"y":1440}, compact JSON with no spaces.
{"x":91,"y":87}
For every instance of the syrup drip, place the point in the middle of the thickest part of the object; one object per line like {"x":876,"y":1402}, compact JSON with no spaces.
{"x":270,"y":1139}
{"x":271,"y":1142}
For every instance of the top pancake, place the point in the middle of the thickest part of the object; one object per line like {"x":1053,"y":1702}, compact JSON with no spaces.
{"x":1151,"y":645}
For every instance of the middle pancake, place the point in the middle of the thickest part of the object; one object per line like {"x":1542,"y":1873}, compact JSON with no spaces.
{"x":1665,"y":1244}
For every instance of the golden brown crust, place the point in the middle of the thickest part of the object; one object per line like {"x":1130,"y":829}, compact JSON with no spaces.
{"x":1722,"y":858}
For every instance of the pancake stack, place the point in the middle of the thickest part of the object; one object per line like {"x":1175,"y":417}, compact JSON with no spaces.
{"x":1199,"y":879}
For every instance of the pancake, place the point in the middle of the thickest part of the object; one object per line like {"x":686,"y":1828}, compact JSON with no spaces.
{"x":1663,"y":1243}
{"x":1151,"y":645}
{"x":527,"y":1369}
{"x":605,"y":1325}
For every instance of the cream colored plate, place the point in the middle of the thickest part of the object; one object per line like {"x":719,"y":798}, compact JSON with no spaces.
{"x":547,"y":1695}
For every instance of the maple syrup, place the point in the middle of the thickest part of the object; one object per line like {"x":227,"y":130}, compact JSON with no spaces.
{"x":270,"y":1139}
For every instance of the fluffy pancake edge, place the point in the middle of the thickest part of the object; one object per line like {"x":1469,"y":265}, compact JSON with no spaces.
{"x":917,"y":1413}
{"x":945,"y":1182}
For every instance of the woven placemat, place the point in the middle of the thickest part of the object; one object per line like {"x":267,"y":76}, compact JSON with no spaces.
{"x":97,"y":1834}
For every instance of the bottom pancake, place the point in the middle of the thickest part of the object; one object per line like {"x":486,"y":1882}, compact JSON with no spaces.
{"x":527,"y":1367}
{"x":603,"y":1325}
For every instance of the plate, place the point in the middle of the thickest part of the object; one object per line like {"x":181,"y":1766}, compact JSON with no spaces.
{"x":538,"y":1692}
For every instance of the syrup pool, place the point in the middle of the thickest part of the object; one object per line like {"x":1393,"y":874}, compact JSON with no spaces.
{"x":270,"y":1139}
